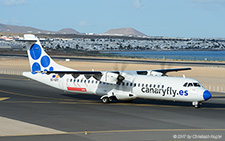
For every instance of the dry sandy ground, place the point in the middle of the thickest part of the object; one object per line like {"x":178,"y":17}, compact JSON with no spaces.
{"x":213,"y":78}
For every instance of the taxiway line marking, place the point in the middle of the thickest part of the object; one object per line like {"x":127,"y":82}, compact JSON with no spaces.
{"x":86,"y":132}
{"x":113,"y":104}
{"x":144,"y":130}
{"x":6,"y":78}
{"x":4,"y":98}
{"x":92,"y":102}
{"x":42,"y":97}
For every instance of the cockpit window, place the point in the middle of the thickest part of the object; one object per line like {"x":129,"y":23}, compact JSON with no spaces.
{"x":185,"y":85}
{"x":191,"y":85}
{"x":196,"y":84}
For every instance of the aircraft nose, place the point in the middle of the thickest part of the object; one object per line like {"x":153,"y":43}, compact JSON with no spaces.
{"x":207,"y":95}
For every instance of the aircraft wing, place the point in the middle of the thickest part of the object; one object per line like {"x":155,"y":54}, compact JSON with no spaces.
{"x":164,"y":71}
{"x":98,"y":74}
{"x":75,"y":74}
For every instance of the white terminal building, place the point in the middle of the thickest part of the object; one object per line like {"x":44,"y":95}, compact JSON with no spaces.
{"x":110,"y":44}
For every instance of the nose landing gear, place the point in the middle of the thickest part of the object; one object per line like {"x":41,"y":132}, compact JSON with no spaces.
{"x":196,"y":104}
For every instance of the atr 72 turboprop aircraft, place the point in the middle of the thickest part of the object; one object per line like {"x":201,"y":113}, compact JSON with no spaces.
{"x":120,"y":85}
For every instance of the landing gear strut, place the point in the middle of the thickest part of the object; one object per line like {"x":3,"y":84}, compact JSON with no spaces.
{"x":196,"y":104}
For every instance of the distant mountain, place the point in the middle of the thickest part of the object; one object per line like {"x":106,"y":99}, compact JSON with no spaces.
{"x":67,"y":31}
{"x":125,"y":31}
{"x":21,"y":29}
{"x":27,"y":29}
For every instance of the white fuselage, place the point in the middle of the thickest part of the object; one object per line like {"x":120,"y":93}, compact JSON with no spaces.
{"x":134,"y":86}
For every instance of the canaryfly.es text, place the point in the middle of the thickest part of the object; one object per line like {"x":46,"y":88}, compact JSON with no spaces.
{"x":163,"y":92}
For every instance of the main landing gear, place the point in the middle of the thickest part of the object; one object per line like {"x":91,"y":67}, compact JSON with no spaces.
{"x":105,"y":99}
{"x":196,"y":104}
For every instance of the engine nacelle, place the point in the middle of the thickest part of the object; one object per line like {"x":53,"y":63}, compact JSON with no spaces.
{"x":155,"y":73}
{"x":125,"y":96}
{"x":109,"y":77}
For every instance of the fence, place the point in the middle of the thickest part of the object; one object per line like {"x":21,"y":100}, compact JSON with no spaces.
{"x":12,"y":72}
{"x":215,"y":88}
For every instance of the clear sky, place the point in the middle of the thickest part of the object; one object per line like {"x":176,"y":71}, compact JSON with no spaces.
{"x":169,"y":18}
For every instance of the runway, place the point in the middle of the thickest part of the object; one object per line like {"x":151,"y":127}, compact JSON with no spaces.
{"x":33,"y":111}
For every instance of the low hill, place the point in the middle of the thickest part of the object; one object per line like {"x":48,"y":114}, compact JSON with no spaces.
{"x":125,"y":31}
{"x":67,"y":31}
{"x":21,"y":29}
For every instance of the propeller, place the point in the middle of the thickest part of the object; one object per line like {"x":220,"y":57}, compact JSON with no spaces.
{"x":120,"y":78}
{"x":164,"y":66}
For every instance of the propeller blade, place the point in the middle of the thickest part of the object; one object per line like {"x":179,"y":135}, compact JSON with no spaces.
{"x":120,"y":79}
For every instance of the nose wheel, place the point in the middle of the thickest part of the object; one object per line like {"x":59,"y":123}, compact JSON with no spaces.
{"x":196,"y":104}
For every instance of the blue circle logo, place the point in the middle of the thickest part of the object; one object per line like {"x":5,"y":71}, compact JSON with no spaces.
{"x":36,"y":67}
{"x":45,"y":61}
{"x":35,"y":51}
{"x":51,"y":69}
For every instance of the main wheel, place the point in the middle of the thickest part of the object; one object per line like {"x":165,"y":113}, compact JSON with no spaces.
{"x":105,"y":100}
